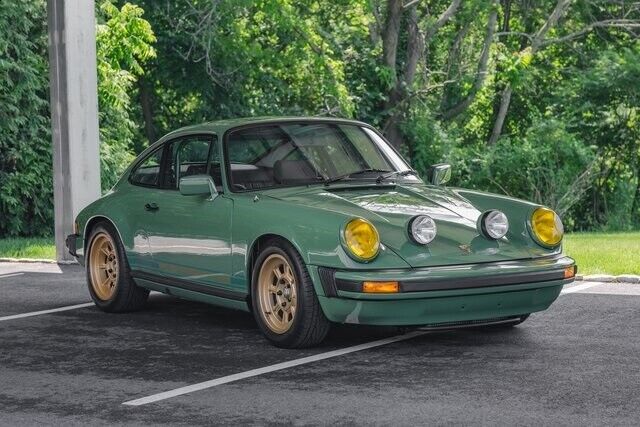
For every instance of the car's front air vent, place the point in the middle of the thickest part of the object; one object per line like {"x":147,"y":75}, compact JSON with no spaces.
{"x":328,"y":281}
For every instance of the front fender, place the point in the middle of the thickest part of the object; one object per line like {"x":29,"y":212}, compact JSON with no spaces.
{"x":315,"y":233}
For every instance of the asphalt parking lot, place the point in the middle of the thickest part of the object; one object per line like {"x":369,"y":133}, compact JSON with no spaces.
{"x":578,"y":363}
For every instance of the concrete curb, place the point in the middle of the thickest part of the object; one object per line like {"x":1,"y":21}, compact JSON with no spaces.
{"x":607,"y":278}
{"x":37,"y":261}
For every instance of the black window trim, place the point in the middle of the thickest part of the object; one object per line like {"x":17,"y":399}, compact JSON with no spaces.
{"x":136,"y":165}
{"x":228,"y":132}
{"x":165,"y":163}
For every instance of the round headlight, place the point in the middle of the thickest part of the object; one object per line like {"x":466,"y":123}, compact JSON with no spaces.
{"x":361,"y":239}
{"x":546,"y":227}
{"x":423,"y":229}
{"x":495,"y":224}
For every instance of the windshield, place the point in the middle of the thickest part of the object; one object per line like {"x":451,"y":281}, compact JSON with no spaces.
{"x":306,"y":153}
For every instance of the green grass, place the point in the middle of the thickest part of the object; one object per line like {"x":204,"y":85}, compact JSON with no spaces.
{"x":595,"y":253}
{"x":604,"y":253}
{"x":32,"y":247}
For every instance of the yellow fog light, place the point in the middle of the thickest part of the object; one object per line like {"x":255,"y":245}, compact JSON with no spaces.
{"x":361,"y":239}
{"x":380,"y":287}
{"x":546,"y":227}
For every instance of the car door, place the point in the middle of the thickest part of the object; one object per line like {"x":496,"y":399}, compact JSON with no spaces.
{"x":190,"y":236}
{"x":144,"y":187}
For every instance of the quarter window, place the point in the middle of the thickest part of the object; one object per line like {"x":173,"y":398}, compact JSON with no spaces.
{"x":147,"y":173}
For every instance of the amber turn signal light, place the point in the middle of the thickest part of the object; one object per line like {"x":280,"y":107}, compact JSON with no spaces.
{"x":380,"y":287}
{"x":570,"y":272}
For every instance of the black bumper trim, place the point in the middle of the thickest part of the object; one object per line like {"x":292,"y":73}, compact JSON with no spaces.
{"x":188,"y":285}
{"x":441,"y":284}
{"x":328,"y":281}
{"x":71,"y":244}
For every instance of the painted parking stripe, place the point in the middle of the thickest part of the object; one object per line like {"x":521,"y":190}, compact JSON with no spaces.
{"x":297,"y":362}
{"x":52,"y":310}
{"x":272,"y":368}
{"x":580,"y":287}
{"x":4,"y":276}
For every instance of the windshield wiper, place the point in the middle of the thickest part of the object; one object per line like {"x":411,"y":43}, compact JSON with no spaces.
{"x":350,"y":174}
{"x":384,"y":176}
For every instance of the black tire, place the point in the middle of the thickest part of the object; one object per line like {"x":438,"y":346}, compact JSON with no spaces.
{"x":309,"y":325}
{"x":127,"y":295}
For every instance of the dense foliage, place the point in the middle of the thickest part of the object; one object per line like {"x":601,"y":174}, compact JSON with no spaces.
{"x":537,"y":99}
{"x":123,"y":43}
{"x":25,"y":144}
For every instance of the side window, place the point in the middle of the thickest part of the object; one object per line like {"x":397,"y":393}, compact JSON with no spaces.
{"x":148,"y":171}
{"x":188,"y":156}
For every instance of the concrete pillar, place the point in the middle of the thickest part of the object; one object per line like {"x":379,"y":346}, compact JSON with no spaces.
{"x":74,"y":112}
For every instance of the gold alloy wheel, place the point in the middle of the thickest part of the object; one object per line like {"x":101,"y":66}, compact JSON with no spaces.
{"x":103,"y":266}
{"x":277,"y":293}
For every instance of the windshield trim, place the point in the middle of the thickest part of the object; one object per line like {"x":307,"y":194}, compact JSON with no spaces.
{"x":227,"y":163}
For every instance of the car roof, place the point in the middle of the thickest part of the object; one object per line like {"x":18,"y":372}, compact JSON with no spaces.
{"x":221,"y":126}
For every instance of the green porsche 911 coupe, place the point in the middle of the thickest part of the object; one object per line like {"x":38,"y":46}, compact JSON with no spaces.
{"x":310,"y":221}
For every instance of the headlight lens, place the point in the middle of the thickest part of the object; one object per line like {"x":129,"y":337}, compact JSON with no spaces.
{"x":361,"y":239}
{"x":423,"y":229}
{"x":547,"y":227}
{"x":495,"y":224}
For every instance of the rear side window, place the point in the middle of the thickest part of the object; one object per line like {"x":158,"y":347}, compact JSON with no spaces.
{"x":147,"y":172}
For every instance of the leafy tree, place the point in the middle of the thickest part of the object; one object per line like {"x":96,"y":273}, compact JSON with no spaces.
{"x":124,"y":42}
{"x":26,"y":201}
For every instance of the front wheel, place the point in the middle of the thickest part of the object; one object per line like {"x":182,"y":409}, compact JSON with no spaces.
{"x":108,"y":275}
{"x":284,"y":301}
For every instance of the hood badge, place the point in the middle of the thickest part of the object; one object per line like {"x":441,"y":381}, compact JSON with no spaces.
{"x":465,"y":248}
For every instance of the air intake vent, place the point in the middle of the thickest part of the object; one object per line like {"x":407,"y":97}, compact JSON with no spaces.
{"x":328,"y":281}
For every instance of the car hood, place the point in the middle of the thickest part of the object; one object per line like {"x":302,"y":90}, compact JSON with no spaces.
{"x":390,"y":207}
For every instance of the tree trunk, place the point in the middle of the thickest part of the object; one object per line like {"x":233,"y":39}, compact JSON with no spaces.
{"x":635,"y":206}
{"x":391,"y":32}
{"x":414,"y":50}
{"x":146,"y":104}
{"x":536,"y":43}
{"x":453,"y":65}
{"x":482,"y":68}
{"x":505,"y":100}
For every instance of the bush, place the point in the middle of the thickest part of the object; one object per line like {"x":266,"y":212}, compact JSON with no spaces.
{"x":548,"y":166}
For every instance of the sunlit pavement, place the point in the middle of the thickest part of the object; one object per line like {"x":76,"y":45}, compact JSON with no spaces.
{"x":576,"y":363}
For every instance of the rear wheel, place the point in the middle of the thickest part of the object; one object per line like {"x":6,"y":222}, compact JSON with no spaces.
{"x":108,"y":274}
{"x":285,"y":304}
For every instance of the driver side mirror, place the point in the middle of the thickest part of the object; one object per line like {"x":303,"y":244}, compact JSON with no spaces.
{"x":439,"y":173}
{"x":198,"y":185}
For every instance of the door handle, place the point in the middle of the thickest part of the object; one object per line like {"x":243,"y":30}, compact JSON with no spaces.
{"x":151,"y":207}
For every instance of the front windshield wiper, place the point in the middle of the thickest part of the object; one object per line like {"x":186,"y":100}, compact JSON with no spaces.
{"x":384,"y":176}
{"x":350,"y":174}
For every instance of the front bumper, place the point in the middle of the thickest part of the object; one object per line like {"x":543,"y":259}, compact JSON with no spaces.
{"x":74,"y":244}
{"x":443,"y":294}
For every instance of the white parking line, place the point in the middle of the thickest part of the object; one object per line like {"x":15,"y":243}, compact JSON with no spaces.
{"x":272,"y":368}
{"x":38,"y":313}
{"x":4,"y":276}
{"x":297,"y":362}
{"x":578,"y":288}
